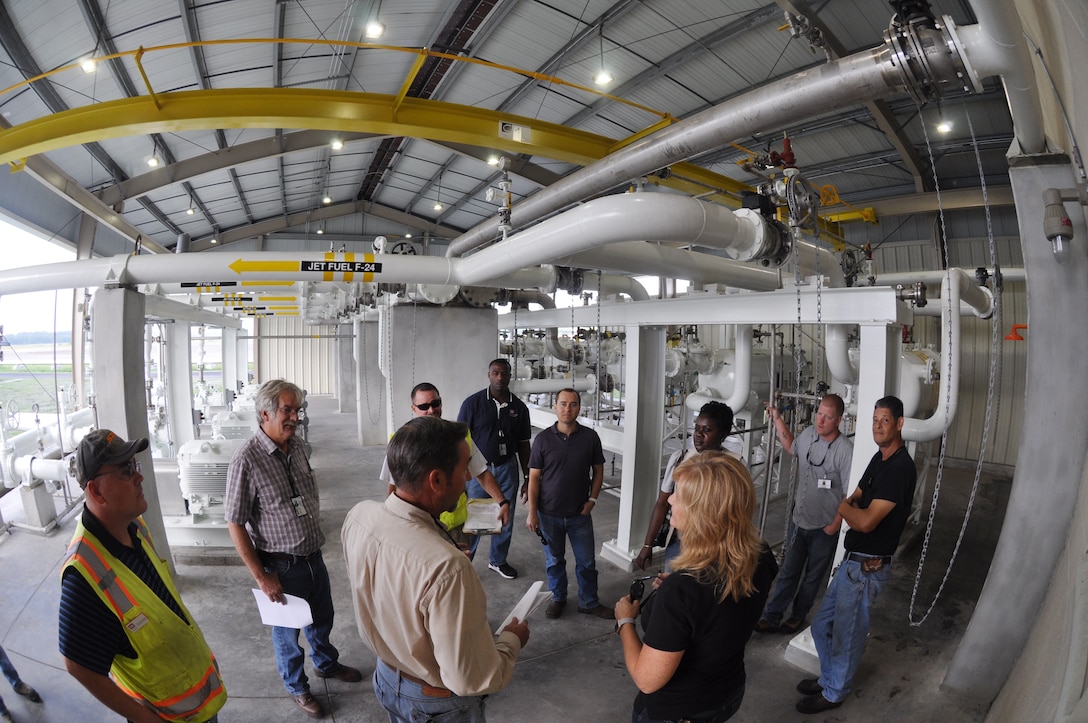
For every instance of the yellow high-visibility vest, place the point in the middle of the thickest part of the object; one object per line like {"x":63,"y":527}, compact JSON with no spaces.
{"x":174,"y":673}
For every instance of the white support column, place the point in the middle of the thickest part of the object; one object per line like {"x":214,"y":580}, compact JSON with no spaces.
{"x":179,"y":383}
{"x":345,"y":368}
{"x":643,"y":425}
{"x":241,"y":350}
{"x":229,"y":352}
{"x":118,"y":324}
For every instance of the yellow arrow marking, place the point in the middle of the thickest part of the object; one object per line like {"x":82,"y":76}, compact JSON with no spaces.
{"x":249,"y":267}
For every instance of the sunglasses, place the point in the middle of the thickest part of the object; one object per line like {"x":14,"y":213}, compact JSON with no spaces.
{"x":437,"y":404}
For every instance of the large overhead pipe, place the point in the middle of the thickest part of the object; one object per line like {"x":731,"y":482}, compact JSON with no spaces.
{"x":742,"y":376}
{"x":667,"y":217}
{"x":869,"y":75}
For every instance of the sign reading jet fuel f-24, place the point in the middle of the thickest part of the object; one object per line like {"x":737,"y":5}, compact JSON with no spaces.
{"x":356,"y":267}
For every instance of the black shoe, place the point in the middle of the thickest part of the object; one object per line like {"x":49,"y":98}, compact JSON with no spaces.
{"x":816,"y":704}
{"x":600,"y":611}
{"x":27,"y":692}
{"x":765,"y":627}
{"x":341,"y":672}
{"x":810,"y":686}
{"x":504,"y":569}
{"x":555,"y":609}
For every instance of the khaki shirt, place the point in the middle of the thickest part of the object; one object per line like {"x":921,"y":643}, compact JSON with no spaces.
{"x":419,"y":604}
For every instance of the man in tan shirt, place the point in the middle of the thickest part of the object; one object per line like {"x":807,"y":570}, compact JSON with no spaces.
{"x":419,"y":604}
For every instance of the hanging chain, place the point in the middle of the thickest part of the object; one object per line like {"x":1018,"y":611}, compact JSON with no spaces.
{"x":797,"y":360}
{"x":993,"y":402}
{"x":514,"y":337}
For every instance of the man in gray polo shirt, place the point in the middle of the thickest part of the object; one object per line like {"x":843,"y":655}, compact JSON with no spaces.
{"x":823,"y":462}
{"x":566,"y":471}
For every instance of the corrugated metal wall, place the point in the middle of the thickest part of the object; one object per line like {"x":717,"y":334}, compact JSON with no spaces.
{"x":965,"y":439}
{"x":288,"y":349}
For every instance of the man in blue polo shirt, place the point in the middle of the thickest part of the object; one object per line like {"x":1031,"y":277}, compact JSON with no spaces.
{"x":499,"y":424}
{"x":566,"y":471}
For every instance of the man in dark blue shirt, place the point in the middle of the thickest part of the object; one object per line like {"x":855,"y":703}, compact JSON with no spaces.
{"x":876,"y":512}
{"x":499,"y":423}
{"x":566,"y":471}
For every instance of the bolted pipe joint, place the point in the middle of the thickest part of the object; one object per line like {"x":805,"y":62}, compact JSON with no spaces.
{"x":914,"y":293}
{"x":928,"y":58}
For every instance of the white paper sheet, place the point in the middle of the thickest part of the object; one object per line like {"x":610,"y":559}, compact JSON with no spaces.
{"x":530,"y":601}
{"x":295,"y":614}
{"x":483,"y":518}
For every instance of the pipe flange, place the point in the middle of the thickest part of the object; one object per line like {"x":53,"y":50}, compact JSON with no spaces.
{"x":929,"y":59}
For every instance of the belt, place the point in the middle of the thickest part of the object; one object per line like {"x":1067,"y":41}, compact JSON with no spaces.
{"x":431,"y":691}
{"x":283,"y":556}
{"x":862,"y":557}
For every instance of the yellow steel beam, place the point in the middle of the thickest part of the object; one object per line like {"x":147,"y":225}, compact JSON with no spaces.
{"x":332,"y":110}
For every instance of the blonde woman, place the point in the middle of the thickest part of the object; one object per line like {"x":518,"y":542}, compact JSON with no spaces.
{"x":691,"y":664}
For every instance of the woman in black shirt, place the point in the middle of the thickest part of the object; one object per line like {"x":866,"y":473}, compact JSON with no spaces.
{"x":691,"y":664}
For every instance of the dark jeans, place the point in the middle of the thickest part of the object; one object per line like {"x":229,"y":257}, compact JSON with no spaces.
{"x":805,"y":570}
{"x":308,"y":579}
{"x":723,"y":712}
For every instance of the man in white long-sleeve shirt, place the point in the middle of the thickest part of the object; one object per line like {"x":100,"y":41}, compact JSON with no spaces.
{"x":419,"y":604}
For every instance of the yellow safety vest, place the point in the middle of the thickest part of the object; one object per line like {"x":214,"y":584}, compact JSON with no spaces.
{"x":174,"y":673}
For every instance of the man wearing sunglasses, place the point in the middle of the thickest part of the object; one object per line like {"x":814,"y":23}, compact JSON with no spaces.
{"x":273,"y":512}
{"x":823,"y":472}
{"x":427,"y":402}
{"x":124,"y":632}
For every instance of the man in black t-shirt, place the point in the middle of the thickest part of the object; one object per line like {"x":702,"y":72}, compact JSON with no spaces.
{"x":876,"y":512}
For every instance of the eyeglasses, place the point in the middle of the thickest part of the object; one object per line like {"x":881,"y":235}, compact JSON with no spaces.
{"x":129,"y":470}
{"x":436,"y":403}
{"x":290,"y":411}
{"x":543,"y":540}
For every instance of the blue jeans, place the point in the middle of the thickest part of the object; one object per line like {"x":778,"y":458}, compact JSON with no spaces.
{"x":723,"y":712}
{"x":9,"y":673}
{"x":404,"y":701}
{"x":841,"y":625}
{"x":307,"y":579}
{"x":508,"y":475}
{"x":580,"y":531}
{"x":817,"y":549}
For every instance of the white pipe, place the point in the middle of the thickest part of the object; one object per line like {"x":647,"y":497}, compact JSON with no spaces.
{"x":996,"y":46}
{"x":837,"y":338}
{"x":652,"y":216}
{"x":35,"y":468}
{"x":642,"y":258}
{"x":742,"y":376}
{"x":814,"y":258}
{"x":924,"y":430}
{"x":544,"y":386}
{"x":936,"y":277}
{"x":617,"y":284}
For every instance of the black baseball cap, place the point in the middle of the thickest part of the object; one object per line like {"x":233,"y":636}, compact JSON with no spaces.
{"x":101,"y":447}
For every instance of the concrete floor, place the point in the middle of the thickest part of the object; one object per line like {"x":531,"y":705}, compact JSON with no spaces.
{"x":572,"y":668}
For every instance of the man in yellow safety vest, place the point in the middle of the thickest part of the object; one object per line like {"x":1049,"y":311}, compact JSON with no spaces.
{"x":125,"y":634}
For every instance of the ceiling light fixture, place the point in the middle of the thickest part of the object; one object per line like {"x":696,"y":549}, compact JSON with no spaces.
{"x":88,"y":65}
{"x":153,"y":161}
{"x":407,"y":235}
{"x":603,"y":77}
{"x":493,"y":160}
{"x":190,"y":211}
{"x":438,"y":203}
{"x":326,"y":199}
{"x":337,"y":144}
{"x":944,"y":126}
{"x":320,"y":231}
{"x":374,"y":27}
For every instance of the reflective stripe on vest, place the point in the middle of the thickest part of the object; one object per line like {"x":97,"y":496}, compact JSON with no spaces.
{"x":188,"y":703}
